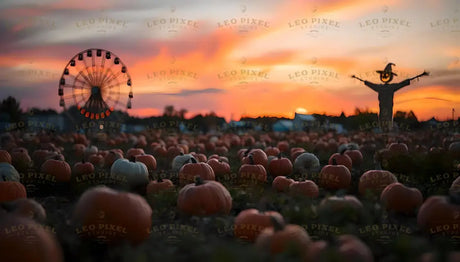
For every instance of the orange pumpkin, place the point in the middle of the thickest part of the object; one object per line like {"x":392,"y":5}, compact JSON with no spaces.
{"x":252,"y":173}
{"x":5,"y":156}
{"x":281,"y":237}
{"x":283,"y":146}
{"x":204,"y":198}
{"x":21,"y":239}
{"x":250,"y":222}
{"x":356,"y":157}
{"x":148,"y":160}
{"x":334,"y":177}
{"x":20,"y":159}
{"x":132,"y":152}
{"x":258,"y":157}
{"x":306,"y":188}
{"x":159,"y":185}
{"x":11,"y":190}
{"x":439,"y":215}
{"x":374,"y":181}
{"x":280,"y":166}
{"x":111,"y":157}
{"x":29,"y":208}
{"x":272,"y":151}
{"x":219,"y":166}
{"x":97,"y":215}
{"x":189,"y":171}
{"x":341,"y":159}
{"x":399,"y":198}
{"x":83,"y":168}
{"x":282,"y":183}
{"x":351,"y":249}
{"x":57,"y":168}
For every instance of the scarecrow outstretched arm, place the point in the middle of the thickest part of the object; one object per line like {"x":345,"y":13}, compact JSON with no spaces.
{"x":425,"y":73}
{"x":353,"y":76}
{"x":407,"y":81}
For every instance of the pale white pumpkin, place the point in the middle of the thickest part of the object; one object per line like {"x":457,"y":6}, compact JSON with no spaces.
{"x":181,"y":160}
{"x":306,"y":163}
{"x":136,"y":173}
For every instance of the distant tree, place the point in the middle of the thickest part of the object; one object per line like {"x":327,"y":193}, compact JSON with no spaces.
{"x":169,"y":111}
{"x":182,"y":113}
{"x":12,"y":108}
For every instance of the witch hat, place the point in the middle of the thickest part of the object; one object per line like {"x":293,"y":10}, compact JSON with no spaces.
{"x":387,"y":70}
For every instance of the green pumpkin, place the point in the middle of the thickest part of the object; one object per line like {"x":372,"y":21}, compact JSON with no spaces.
{"x":135,"y":173}
{"x":8,"y":173}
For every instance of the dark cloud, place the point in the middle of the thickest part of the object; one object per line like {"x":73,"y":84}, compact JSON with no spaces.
{"x":185,"y":92}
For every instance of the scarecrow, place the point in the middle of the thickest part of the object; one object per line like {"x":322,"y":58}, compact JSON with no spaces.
{"x":386,"y":93}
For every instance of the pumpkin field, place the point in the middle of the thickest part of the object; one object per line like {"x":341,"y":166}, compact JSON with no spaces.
{"x":253,"y":196}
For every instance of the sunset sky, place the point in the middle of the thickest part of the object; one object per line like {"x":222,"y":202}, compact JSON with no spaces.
{"x":253,"y":57}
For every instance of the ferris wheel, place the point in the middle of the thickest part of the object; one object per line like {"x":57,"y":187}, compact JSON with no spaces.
{"x":96,"y":81}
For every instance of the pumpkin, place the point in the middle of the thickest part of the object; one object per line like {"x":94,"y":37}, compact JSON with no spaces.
{"x":26,"y":207}
{"x":281,"y":237}
{"x":83,"y":168}
{"x":295,"y":152}
{"x":5,"y":157}
{"x":351,"y":249}
{"x":57,"y":168}
{"x":11,"y":190}
{"x":39,"y":156}
{"x":181,"y":160}
{"x":399,"y":198}
{"x":189,"y":171}
{"x":282,"y":183}
{"x":250,"y":222}
{"x":252,"y":173}
{"x":334,"y":177}
{"x":111,"y":157}
{"x":135,"y":173}
{"x":453,"y":256}
{"x":148,"y":160}
{"x":398,"y":148}
{"x":258,"y":157}
{"x":78,"y":150}
{"x":204,"y":198}
{"x":283,"y":146}
{"x":20,"y":159}
{"x":134,"y":152}
{"x":159,"y":185}
{"x":305,"y":188}
{"x":160,"y":151}
{"x":356,"y":157}
{"x":96,"y":159}
{"x":339,"y":203}
{"x":272,"y":151}
{"x":374,"y":181}
{"x":199,"y":157}
{"x":280,"y":166}
{"x":110,"y":216}
{"x":29,"y":242}
{"x":174,"y":151}
{"x":8,"y":172}
{"x":219,"y":166}
{"x":341,"y":159}
{"x":221,"y":150}
{"x":439,"y":215}
{"x":306,"y":164}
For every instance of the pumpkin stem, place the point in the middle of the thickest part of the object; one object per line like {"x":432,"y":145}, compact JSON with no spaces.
{"x":343,"y":150}
{"x":56,"y":157}
{"x":159,"y":178}
{"x":4,"y":178}
{"x":280,"y":155}
{"x":278,"y":225}
{"x":247,"y":151}
{"x":334,"y":162}
{"x":181,"y":153}
{"x":198,"y":181}
{"x":251,"y":159}
{"x":193,"y":160}
{"x":132,"y":159}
